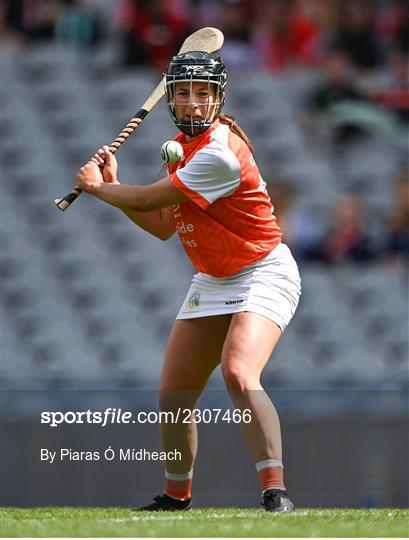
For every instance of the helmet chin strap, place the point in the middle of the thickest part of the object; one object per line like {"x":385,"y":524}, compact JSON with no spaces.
{"x":194,"y":127}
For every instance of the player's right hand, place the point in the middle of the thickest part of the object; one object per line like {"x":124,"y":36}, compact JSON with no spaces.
{"x":108,"y":164}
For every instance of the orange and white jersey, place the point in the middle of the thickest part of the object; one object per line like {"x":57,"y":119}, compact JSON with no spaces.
{"x":228,"y":221}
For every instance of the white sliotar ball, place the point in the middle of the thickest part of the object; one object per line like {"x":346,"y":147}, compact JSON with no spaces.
{"x":171,"y":151}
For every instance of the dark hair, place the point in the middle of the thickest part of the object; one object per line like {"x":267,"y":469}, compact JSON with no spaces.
{"x":230,"y":121}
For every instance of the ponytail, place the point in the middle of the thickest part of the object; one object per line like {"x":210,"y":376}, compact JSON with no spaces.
{"x":230,"y":121}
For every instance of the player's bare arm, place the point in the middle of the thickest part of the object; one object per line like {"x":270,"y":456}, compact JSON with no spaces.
{"x":141,"y":198}
{"x":159,"y":223}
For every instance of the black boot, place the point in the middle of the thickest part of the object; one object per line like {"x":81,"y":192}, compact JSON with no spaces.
{"x":276,"y":500}
{"x":164,"y":503}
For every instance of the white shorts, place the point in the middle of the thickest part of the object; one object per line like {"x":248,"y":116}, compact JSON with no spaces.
{"x":270,"y":287}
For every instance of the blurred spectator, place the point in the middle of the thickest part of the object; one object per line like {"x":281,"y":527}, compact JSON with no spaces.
{"x":236,"y":24}
{"x":346,"y":239}
{"x":70,"y":21}
{"x":207,"y":12}
{"x":393,"y":91}
{"x":394,"y":25}
{"x":152,"y":31}
{"x":282,"y":197}
{"x":23,"y":21}
{"x":397,"y":239}
{"x":337,"y":86}
{"x":79,"y":24}
{"x":402,"y":36}
{"x":299,"y":224}
{"x":284,"y":35}
{"x":355,"y":33}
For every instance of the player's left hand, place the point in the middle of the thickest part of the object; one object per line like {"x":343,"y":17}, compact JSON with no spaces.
{"x":89,"y":177}
{"x":108,"y":164}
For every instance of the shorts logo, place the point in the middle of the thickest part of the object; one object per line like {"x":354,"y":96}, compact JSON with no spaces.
{"x":232,"y":301}
{"x":193,"y":301}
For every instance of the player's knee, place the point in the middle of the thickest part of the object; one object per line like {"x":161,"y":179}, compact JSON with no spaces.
{"x":235,"y":376}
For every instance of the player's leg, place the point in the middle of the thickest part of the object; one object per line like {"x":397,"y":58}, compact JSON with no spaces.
{"x":249,"y":343}
{"x":194,"y":350}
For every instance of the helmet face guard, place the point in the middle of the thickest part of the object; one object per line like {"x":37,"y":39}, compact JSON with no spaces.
{"x":196,"y":66}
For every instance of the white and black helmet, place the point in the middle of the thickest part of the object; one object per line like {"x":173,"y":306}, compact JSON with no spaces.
{"x":196,"y":66}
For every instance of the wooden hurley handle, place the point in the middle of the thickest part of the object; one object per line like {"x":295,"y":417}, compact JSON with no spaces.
{"x":65,"y":202}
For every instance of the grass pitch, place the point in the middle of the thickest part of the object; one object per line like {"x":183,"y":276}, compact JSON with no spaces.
{"x":209,"y":522}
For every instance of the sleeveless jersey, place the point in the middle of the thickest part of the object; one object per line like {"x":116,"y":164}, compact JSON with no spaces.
{"x":228,"y":221}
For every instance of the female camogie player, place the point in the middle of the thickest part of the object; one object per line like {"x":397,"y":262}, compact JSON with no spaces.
{"x":247,"y":285}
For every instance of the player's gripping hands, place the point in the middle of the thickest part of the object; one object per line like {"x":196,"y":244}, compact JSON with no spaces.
{"x":108,"y":164}
{"x":101,"y":168}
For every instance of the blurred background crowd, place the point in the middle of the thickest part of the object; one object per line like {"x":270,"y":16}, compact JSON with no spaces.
{"x":321,"y":88}
{"x":358,"y":48}
{"x":269,"y":34}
